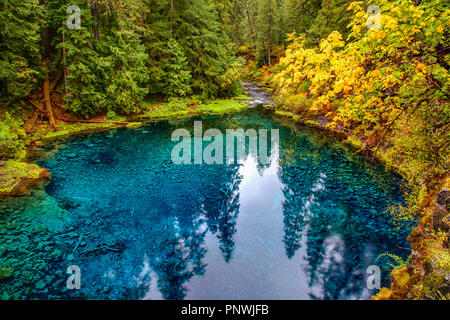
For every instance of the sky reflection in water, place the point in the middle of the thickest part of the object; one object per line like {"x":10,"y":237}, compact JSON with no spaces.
{"x":306,"y":226}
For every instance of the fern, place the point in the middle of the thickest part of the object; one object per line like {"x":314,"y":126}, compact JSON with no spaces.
{"x":401,"y":263}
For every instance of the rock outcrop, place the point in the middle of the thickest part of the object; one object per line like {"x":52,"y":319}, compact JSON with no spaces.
{"x":16,"y":177}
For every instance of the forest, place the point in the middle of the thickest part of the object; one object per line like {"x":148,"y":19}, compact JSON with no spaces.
{"x":376,"y":72}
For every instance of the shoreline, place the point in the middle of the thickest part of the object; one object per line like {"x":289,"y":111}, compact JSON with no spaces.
{"x":429,"y":267}
{"x":425,"y":245}
{"x":16,"y":181}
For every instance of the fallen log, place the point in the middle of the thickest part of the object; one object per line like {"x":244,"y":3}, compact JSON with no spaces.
{"x":104,"y":248}
{"x":92,"y":121}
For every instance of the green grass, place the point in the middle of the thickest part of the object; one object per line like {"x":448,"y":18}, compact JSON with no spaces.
{"x":188,"y":108}
{"x":65,"y":129}
{"x":288,"y":114}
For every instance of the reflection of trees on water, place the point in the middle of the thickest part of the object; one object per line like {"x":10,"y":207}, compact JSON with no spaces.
{"x":339,"y":231}
{"x":222,"y":218}
{"x":181,"y":249}
{"x":179,"y":259}
{"x":216,"y":210}
{"x":206,"y":198}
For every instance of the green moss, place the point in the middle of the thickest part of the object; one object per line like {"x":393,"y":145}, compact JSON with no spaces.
{"x":222,"y":106}
{"x":6,"y":273}
{"x":312,"y":123}
{"x":14,"y":171}
{"x":135,"y":125}
{"x":65,"y":129}
{"x":242,"y":96}
{"x":288,"y":114}
{"x":355,"y":142}
{"x":187,"y":108}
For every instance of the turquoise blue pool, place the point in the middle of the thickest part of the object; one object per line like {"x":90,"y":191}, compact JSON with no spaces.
{"x":305,"y":226}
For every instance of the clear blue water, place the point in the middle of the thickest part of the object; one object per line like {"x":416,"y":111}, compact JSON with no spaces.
{"x":304,"y":227}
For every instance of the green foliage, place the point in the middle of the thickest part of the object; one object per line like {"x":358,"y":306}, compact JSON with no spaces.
{"x":300,"y":14}
{"x":111,"y":115}
{"x":176,"y":73}
{"x":108,"y":74}
{"x":188,"y":48}
{"x":19,"y":47}
{"x":333,"y":15}
{"x":400,"y":262}
{"x":11,"y":137}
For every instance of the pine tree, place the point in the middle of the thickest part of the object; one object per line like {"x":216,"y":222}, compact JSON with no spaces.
{"x":333,"y":15}
{"x":268,"y":28}
{"x":176,"y":69}
{"x":19,"y":46}
{"x":193,"y":30}
{"x":106,"y":60}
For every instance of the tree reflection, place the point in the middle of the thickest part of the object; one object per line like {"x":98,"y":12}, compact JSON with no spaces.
{"x":181,"y":250}
{"x":179,"y":259}
{"x":339,"y":210}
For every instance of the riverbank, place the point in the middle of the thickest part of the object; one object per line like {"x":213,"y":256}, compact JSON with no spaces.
{"x":426,"y":275}
{"x":118,"y":189}
{"x":17,"y":175}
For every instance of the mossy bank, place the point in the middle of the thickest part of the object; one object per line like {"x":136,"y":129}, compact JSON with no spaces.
{"x":17,"y":175}
{"x":426,"y":274}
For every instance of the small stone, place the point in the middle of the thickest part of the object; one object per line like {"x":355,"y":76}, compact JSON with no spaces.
{"x":40,"y":285}
{"x":3,"y":250}
{"x":2,"y":163}
{"x":72,"y":234}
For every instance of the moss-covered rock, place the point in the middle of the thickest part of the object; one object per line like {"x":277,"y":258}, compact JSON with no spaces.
{"x":16,"y":177}
{"x":6,"y":273}
{"x":135,"y":125}
{"x":428,"y":274}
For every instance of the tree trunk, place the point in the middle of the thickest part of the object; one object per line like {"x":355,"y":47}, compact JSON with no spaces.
{"x":65,"y":64}
{"x":172,"y":7}
{"x":249,"y":18}
{"x":47,"y":99}
{"x":46,"y":48}
{"x":269,"y":51}
{"x":94,"y":12}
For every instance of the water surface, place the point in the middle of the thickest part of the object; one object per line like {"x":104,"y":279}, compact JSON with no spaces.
{"x":305,"y":226}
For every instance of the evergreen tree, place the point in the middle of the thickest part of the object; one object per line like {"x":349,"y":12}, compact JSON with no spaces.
{"x":106,"y":61}
{"x":19,"y":47}
{"x":176,"y":69}
{"x":300,"y":14}
{"x":192,"y":29}
{"x":268,"y":28}
{"x":332,"y":16}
